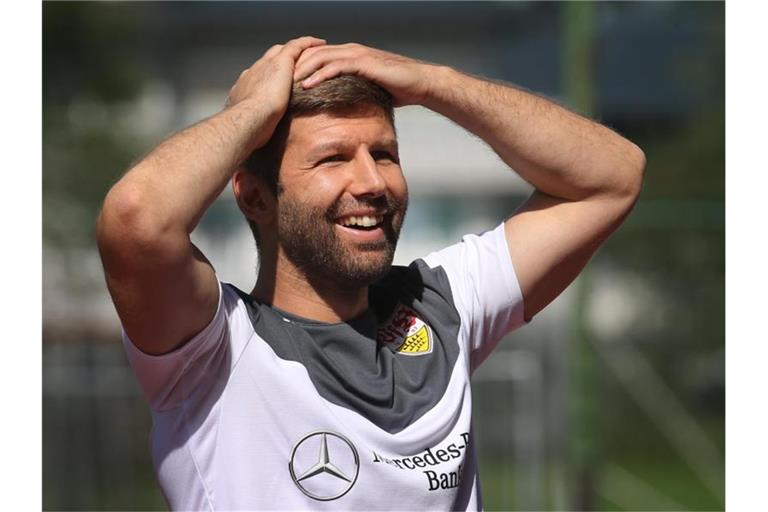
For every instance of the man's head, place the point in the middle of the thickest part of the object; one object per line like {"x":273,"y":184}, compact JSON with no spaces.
{"x":330,"y":170}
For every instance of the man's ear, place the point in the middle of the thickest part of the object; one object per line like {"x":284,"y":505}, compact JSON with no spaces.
{"x":254,"y":197}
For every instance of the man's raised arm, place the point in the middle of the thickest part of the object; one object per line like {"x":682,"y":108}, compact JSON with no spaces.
{"x":586,"y":176}
{"x":164,"y":289}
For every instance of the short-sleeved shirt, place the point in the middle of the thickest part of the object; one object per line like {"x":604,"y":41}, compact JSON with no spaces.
{"x":267,"y":410}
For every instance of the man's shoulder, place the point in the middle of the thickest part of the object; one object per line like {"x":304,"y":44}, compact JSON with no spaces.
{"x":238,"y":304}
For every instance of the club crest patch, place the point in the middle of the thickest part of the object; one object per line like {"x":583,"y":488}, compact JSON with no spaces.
{"x":406,"y":332}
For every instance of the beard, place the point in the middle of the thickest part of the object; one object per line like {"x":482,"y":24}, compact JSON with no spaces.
{"x":310,"y":240}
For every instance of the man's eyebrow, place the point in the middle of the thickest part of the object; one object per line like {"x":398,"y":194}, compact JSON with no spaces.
{"x":327,"y":147}
{"x":343,"y":145}
{"x":386,"y":144}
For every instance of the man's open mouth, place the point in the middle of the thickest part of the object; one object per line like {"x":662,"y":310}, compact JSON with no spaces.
{"x":361,"y":222}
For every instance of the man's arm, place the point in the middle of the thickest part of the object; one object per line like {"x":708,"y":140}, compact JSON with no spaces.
{"x":586,"y":176}
{"x":164,"y":289}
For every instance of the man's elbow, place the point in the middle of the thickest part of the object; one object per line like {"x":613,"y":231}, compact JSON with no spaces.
{"x":122,"y":216}
{"x":637,"y":169}
{"x":126,"y":225}
{"x":630,"y":176}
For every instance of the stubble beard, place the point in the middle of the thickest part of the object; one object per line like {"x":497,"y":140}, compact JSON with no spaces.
{"x":309,"y":238}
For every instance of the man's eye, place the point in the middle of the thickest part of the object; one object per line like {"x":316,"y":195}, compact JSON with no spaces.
{"x":332,"y":158}
{"x":383,"y":155}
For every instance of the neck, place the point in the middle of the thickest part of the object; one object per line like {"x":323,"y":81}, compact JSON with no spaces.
{"x":286,"y":287}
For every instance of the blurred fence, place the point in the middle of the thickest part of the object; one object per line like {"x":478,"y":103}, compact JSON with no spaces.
{"x":95,"y":431}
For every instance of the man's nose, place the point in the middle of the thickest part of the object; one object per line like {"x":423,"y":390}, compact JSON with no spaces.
{"x":367,"y":179}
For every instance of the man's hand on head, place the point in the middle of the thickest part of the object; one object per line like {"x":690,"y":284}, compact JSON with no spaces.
{"x":267,"y":83}
{"x":408,"y":80}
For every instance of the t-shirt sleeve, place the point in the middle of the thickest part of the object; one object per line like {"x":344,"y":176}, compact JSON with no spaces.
{"x":484,"y":289}
{"x":169,"y":379}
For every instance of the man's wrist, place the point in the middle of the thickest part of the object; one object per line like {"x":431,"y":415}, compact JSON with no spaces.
{"x":247,"y":114}
{"x":252,"y":125}
{"x":445,"y":86}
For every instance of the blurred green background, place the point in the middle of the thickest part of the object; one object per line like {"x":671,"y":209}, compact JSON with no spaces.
{"x":611,"y":399}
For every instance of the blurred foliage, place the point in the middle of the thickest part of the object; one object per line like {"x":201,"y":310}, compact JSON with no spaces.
{"x":90,"y":69}
{"x":686,"y":158}
{"x":675,"y":241}
{"x":675,"y":238}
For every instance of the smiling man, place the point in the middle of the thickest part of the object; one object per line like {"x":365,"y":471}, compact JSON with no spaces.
{"x":340,"y":381}
{"x":342,"y":194}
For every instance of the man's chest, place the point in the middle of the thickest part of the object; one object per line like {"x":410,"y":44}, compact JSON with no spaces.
{"x":274,"y":427}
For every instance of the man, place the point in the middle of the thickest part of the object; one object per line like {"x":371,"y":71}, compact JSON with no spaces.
{"x":339,"y":381}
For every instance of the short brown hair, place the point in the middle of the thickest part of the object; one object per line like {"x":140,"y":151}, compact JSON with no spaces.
{"x":345,"y":94}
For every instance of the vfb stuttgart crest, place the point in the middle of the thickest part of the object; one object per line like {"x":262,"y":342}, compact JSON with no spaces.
{"x":407,"y":332}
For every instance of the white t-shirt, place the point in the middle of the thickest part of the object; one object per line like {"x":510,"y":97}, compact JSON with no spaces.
{"x":266,"y":410}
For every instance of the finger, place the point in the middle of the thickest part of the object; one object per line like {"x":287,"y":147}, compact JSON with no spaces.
{"x":294,"y":47}
{"x":312,"y":58}
{"x":311,"y":51}
{"x":322,"y":57}
{"x":331,"y":70}
{"x":274,"y":50}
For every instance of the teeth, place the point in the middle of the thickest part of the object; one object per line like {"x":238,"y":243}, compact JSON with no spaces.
{"x":363,"y":221}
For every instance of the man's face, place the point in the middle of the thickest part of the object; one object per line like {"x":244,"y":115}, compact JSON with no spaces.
{"x":343,"y":197}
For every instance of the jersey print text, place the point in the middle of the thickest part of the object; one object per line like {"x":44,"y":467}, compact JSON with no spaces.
{"x":433,"y":457}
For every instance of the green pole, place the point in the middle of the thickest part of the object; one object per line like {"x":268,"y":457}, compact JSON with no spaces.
{"x":579,"y":88}
{"x":578,"y":50}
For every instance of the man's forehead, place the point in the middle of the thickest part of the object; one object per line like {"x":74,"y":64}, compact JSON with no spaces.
{"x":329,"y":129}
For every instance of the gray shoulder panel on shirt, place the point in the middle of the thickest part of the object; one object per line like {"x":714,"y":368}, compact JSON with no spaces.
{"x":392,"y":364}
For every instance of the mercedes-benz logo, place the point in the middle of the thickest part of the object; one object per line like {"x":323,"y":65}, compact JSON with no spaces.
{"x":324,"y":465}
